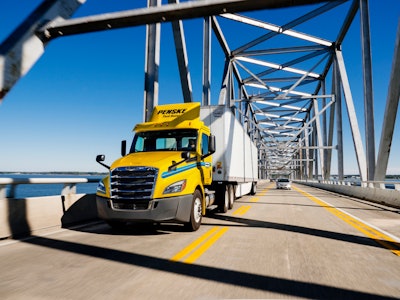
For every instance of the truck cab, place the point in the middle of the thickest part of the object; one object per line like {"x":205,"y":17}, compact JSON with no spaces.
{"x":176,"y":168}
{"x":165,"y":174}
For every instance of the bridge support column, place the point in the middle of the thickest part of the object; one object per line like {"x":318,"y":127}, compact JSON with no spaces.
{"x":358,"y":146}
{"x":206,"y":60}
{"x":152,"y":64}
{"x":339,"y":120}
{"x":368,"y":91}
{"x":389,"y":119}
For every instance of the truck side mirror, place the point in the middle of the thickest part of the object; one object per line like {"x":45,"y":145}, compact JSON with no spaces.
{"x":185,"y":155}
{"x":123,"y":148}
{"x":100,"y":158}
{"x":211,"y":144}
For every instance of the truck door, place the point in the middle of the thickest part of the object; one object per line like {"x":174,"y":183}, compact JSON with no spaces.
{"x":206,"y":163}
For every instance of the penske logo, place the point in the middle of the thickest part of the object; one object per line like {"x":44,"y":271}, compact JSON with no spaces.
{"x":171,"y":111}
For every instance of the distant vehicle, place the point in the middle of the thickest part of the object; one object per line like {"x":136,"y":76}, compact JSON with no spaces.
{"x":283,"y":183}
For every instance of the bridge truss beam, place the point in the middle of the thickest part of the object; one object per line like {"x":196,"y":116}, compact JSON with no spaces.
{"x":279,"y":93}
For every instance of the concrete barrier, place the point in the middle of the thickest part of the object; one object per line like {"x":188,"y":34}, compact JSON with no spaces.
{"x":24,"y":217}
{"x":376,"y":195}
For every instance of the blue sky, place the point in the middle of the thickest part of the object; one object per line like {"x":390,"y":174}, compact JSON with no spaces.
{"x":85,"y":94}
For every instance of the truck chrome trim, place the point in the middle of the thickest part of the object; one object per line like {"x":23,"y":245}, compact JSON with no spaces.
{"x":132,"y":188}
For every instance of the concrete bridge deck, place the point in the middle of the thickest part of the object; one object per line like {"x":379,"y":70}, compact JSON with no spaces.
{"x":299,"y":243}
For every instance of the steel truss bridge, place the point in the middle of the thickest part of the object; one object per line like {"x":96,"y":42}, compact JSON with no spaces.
{"x":291,"y":98}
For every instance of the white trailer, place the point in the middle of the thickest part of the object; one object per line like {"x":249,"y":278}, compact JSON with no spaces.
{"x":235,"y":160}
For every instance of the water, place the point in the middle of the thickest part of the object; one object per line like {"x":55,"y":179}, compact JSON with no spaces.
{"x":39,"y":190}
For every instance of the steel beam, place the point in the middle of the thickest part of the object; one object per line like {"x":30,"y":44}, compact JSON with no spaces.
{"x":319,"y":137}
{"x":358,"y":147}
{"x":206,"y":61}
{"x":391,"y":110}
{"x":339,"y":120}
{"x":368,"y":91}
{"x":347,"y":22}
{"x":288,"y":26}
{"x":164,"y":13}
{"x":225,"y":48}
{"x":182,"y":58}
{"x":152,"y":64}
{"x":324,"y":136}
{"x":329,"y":140}
{"x":22,"y":48}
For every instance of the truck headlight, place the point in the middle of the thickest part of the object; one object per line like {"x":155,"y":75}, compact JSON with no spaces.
{"x":101,"y":187}
{"x":176,"y":187}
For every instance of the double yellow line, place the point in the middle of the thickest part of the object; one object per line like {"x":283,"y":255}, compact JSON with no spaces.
{"x":378,"y":236}
{"x":193,"y":251}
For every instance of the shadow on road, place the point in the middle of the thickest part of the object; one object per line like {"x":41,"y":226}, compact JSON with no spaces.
{"x":361,"y":240}
{"x":237,"y":278}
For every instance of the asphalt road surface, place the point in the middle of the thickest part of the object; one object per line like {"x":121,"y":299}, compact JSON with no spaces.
{"x":302,"y":243}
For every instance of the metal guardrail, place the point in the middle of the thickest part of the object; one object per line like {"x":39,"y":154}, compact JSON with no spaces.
{"x":68,"y":188}
{"x":369,"y":184}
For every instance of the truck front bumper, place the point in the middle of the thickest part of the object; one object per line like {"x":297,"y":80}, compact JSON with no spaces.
{"x":164,"y":209}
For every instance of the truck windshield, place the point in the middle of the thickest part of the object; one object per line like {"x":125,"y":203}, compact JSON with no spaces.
{"x":165,"y":140}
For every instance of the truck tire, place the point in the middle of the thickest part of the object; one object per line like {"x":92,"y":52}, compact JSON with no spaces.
{"x":223,"y":199}
{"x":253,"y":188}
{"x":231,"y":193}
{"x":195,"y":213}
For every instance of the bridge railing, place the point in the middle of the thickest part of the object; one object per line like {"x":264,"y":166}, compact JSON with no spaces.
{"x":371,"y":184}
{"x":69,"y":184}
{"x":374,"y":191}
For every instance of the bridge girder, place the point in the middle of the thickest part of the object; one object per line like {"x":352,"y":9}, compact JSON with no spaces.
{"x":282,"y":101}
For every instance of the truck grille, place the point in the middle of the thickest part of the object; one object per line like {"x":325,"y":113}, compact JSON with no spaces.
{"x":132,"y":187}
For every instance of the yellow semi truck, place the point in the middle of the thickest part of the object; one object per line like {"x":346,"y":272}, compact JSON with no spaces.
{"x":185,"y":160}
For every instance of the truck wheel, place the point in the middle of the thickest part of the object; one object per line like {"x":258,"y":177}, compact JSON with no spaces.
{"x":231,"y":192}
{"x":195,"y":213}
{"x":253,"y":188}
{"x":223,"y":203}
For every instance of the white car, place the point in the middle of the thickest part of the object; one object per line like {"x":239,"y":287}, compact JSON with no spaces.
{"x":283,"y":183}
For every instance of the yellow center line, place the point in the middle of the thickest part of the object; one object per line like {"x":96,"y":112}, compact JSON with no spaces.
{"x":193,"y":251}
{"x":378,"y":236}
{"x":207,"y":244}
{"x":241,"y":210}
{"x":195,"y":244}
{"x":265,"y":190}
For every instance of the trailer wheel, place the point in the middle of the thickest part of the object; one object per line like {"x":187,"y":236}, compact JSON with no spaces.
{"x":231,"y":192}
{"x":195,"y":213}
{"x":223,"y":203}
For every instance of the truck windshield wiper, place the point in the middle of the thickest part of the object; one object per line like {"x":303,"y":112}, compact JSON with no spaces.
{"x":186,"y":157}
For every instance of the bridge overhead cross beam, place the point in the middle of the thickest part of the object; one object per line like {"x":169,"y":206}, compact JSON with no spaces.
{"x":23,"y":47}
{"x":164,"y":13}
